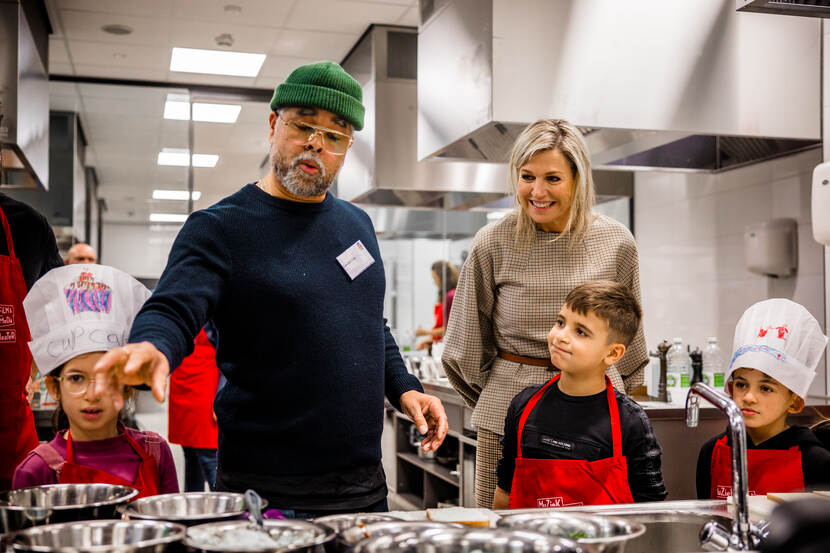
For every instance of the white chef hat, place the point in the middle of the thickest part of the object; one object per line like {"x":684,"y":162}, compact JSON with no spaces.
{"x":782,"y":339}
{"x":80,"y":309}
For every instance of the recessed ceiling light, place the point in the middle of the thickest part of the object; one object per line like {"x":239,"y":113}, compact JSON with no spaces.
{"x":168,"y":217}
{"x":216,"y":113}
{"x":174,"y":194}
{"x":205,"y":160}
{"x":177,"y":106}
{"x":216,"y":62}
{"x":173,"y":156}
{"x":179,"y":158}
{"x":117,"y":29}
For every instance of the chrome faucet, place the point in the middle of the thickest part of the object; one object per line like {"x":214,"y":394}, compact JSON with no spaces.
{"x":713,"y":537}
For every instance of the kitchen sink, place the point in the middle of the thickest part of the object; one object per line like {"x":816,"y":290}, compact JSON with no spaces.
{"x":669,"y":531}
{"x":671,"y":527}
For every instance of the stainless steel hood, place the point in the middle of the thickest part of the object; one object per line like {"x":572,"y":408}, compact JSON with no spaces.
{"x":805,"y":8}
{"x":382,"y":167}
{"x":24,"y":129}
{"x":682,"y":85}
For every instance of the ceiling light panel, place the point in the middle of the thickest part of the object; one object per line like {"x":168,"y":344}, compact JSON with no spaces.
{"x":216,"y":62}
{"x":216,"y":113}
{"x":179,"y":158}
{"x":174,"y":194}
{"x":168,"y":217}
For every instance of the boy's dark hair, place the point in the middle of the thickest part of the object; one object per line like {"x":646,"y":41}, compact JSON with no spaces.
{"x":611,"y":301}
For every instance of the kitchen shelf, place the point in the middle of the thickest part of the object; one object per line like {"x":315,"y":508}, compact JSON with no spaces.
{"x":430,"y":466}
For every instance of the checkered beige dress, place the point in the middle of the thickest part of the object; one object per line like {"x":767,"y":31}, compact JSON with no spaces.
{"x":507,"y":299}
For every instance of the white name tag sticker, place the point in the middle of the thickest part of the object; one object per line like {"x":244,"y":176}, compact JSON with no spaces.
{"x":355,"y":259}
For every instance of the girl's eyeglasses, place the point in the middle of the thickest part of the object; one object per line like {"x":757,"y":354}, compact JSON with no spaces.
{"x":75,"y":384}
{"x":334,"y":142}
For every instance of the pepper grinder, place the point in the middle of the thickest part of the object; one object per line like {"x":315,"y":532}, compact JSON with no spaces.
{"x":697,"y":365}
{"x":662,"y":348}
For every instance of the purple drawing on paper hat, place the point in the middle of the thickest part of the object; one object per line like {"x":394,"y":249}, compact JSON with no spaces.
{"x":84,"y":294}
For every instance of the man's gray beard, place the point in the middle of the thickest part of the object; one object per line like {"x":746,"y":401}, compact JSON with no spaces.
{"x":295,"y":180}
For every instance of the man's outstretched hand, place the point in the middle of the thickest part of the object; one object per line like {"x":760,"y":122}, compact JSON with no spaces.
{"x":132,"y":365}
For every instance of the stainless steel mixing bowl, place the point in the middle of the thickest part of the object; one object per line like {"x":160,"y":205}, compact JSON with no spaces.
{"x":464,"y":540}
{"x":56,"y":503}
{"x":296,"y":536}
{"x":187,"y":508}
{"x":98,"y":536}
{"x":603,"y":534}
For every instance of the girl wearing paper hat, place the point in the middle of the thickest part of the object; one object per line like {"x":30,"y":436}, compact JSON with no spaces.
{"x":75,"y":314}
{"x":775,"y":352}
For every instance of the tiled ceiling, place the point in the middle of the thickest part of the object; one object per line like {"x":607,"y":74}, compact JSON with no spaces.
{"x":124,"y":124}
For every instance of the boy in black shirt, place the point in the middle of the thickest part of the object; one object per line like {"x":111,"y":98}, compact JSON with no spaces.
{"x":777,"y":346}
{"x":575,"y":440}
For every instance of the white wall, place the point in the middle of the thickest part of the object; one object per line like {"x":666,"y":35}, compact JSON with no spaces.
{"x":140,"y":250}
{"x":689,"y":230}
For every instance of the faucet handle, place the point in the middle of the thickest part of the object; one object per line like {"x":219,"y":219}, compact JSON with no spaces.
{"x":714,"y":537}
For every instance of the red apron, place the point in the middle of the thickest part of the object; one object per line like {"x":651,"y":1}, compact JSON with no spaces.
{"x":146,"y":478}
{"x":768,"y":470}
{"x":192,"y":391}
{"x":571,"y":482}
{"x":438,"y":312}
{"x":17,"y":423}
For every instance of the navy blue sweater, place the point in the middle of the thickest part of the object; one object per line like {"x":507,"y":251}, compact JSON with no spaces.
{"x":306,"y":352}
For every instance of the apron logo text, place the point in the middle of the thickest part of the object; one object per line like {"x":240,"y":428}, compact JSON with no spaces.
{"x":8,"y":336}
{"x":6,"y":315}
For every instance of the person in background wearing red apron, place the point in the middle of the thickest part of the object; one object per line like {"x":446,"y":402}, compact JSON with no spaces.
{"x":777,"y":346}
{"x":27,"y":251}
{"x":445,"y":276}
{"x":575,"y":440}
{"x":75,"y":314}
{"x":190,"y":417}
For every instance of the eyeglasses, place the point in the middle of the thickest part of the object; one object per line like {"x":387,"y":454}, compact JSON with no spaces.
{"x":75,"y":384}
{"x":334,"y":142}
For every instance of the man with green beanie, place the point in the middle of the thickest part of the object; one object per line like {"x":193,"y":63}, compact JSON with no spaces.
{"x":293,"y":280}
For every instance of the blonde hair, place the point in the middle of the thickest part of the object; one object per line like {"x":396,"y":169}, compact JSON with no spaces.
{"x":555,"y":134}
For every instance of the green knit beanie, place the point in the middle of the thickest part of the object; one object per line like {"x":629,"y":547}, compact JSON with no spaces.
{"x":323,"y":85}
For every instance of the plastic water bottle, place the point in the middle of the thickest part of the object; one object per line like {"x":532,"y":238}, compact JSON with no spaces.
{"x":713,"y":366}
{"x":677,"y":372}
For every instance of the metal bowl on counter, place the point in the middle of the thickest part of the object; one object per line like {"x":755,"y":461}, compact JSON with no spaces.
{"x":97,"y":536}
{"x":350,"y":537}
{"x":296,"y":536}
{"x":463,"y":540}
{"x":187,"y":508}
{"x":56,"y":503}
{"x":602,"y":534}
{"x":351,"y":527}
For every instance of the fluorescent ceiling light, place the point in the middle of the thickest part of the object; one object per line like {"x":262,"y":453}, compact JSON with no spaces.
{"x":172,"y":156}
{"x":216,"y":113}
{"x":495,"y":215}
{"x":177,"y":107}
{"x":179,"y":158}
{"x":216,"y":62}
{"x":168,"y":217}
{"x":174,"y":194}
{"x":205,"y":160}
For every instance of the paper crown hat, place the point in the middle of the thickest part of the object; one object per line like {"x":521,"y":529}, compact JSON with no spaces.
{"x":782,"y":339}
{"x":80,"y":309}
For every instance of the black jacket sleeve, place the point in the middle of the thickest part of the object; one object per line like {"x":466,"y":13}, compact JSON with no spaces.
{"x":507,"y":463}
{"x":642,"y":452}
{"x":704,"y":469}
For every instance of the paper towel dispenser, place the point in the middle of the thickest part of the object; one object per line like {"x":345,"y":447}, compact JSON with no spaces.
{"x":771,"y":247}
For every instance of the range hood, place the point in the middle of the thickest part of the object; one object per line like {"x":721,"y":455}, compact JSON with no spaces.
{"x":382,"y":167}
{"x":681,"y":85}
{"x":805,"y":8}
{"x":24,"y":95}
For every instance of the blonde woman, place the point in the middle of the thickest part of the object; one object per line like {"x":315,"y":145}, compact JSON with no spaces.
{"x":515,"y":280}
